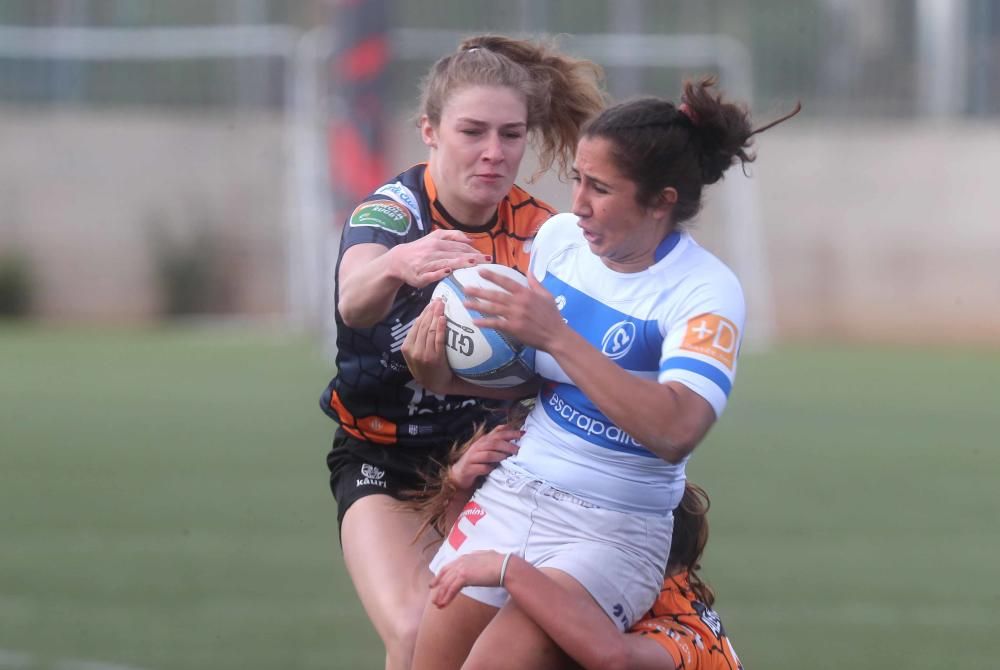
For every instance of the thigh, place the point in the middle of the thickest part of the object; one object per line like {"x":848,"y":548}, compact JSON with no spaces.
{"x":618,"y":557}
{"x":534,"y":649}
{"x":387,"y":562}
{"x":447,"y":634}
{"x":361,"y":469}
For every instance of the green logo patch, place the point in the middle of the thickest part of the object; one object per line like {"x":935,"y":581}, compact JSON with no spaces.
{"x":386,"y":214}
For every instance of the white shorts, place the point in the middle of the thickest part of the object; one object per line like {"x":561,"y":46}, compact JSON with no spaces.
{"x":618,"y":557}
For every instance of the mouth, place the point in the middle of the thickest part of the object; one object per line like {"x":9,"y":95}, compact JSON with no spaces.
{"x":591,"y":237}
{"x":489,"y":177}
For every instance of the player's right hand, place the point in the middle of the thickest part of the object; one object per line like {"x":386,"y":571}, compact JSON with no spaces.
{"x":433,"y":257}
{"x":479,"y":568}
{"x":483,"y":455}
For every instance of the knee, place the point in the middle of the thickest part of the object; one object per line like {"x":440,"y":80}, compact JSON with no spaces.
{"x":400,"y":638}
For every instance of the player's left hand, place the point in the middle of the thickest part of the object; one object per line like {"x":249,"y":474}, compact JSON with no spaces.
{"x":479,"y":568}
{"x":528,"y":313}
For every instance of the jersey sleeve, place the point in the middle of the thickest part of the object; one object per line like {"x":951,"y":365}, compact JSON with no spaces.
{"x":689,"y":647}
{"x":703,"y":338}
{"x":379,"y":219}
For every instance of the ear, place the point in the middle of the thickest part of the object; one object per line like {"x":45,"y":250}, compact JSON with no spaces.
{"x":428,"y":133}
{"x":664,"y":203}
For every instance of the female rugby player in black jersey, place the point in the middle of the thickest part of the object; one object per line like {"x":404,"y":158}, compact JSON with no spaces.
{"x":480,"y":106}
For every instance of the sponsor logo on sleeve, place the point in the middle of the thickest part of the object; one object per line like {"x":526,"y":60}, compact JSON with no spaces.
{"x":385,"y":214}
{"x":404,"y":197}
{"x":713,"y":336}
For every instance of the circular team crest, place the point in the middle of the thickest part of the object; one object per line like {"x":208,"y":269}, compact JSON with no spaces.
{"x":618,"y":340}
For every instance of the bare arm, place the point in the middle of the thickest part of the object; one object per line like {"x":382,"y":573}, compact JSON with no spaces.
{"x":370,"y":274}
{"x":669,"y":419}
{"x":580,"y":628}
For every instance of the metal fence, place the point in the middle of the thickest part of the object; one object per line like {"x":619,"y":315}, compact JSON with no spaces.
{"x":843,"y":58}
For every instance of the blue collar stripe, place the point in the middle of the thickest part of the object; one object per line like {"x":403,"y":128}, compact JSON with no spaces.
{"x":666,"y":246}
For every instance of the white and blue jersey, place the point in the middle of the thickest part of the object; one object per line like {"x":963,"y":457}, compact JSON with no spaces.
{"x":680,"y":320}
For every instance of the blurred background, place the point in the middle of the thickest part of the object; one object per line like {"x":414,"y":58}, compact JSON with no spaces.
{"x":173,"y":177}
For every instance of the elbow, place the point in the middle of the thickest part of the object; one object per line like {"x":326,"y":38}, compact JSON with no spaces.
{"x":352,"y":318}
{"x":676,"y":445}
{"x":353,"y":313}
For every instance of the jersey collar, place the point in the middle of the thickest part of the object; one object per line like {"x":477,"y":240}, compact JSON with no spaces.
{"x":666,"y":246}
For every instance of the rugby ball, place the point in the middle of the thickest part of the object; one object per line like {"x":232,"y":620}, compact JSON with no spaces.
{"x":483,"y":356}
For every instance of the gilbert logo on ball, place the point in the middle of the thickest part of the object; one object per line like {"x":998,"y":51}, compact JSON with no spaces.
{"x":483,"y":356}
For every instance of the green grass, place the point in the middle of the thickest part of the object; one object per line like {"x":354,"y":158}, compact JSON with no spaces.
{"x":163,"y":504}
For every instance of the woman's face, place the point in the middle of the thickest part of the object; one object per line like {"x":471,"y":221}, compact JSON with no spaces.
{"x":476,"y":150}
{"x":619,"y":230}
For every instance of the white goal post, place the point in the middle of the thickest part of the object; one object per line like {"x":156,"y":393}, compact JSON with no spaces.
{"x":311,"y":234}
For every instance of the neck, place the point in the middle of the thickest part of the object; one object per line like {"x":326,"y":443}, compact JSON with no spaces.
{"x":464,"y":214}
{"x":639,"y":262}
{"x":464,"y":223}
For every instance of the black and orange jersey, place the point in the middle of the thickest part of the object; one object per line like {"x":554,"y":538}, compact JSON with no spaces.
{"x":374,"y":397}
{"x":688,"y":629}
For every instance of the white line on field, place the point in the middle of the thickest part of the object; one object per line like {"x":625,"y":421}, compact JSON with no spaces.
{"x":79,"y":664}
{"x":19,"y":660}
{"x":14,"y":659}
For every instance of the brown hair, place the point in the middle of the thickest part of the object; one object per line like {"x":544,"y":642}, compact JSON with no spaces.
{"x":433,"y":499}
{"x":561,"y":93}
{"x":689,"y":538}
{"x":658,"y":144}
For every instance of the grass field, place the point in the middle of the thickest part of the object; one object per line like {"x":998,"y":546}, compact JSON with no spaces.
{"x":163,"y":504}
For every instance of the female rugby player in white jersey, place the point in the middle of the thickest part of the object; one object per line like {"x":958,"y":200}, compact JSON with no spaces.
{"x":637,"y":330}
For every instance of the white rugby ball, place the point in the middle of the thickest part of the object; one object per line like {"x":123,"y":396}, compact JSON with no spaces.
{"x":483,"y":356}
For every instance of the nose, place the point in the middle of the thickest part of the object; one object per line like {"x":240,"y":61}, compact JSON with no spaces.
{"x":493,"y":151}
{"x":581,"y":204}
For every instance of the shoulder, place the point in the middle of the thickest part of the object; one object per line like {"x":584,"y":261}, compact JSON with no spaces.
{"x":395,"y":209}
{"x":702,"y":281}
{"x":702,"y":263}
{"x":688,"y":629}
{"x":527,"y":213}
{"x":557,"y":235}
{"x":560,"y":229}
